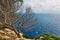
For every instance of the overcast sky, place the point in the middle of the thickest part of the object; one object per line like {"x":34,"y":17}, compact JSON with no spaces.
{"x":44,"y":6}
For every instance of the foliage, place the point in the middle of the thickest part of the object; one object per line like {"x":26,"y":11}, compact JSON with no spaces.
{"x":25,"y":35}
{"x":43,"y":37}
{"x":2,"y":38}
{"x":47,"y":37}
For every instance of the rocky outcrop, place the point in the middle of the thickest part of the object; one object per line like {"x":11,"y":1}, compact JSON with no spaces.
{"x":10,"y":35}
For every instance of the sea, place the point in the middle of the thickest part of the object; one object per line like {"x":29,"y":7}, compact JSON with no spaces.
{"x":46,"y":24}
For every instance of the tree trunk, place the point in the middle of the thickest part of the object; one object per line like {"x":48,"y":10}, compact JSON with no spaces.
{"x":16,"y":32}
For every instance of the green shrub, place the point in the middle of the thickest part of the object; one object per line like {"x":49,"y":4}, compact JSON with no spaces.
{"x":26,"y":35}
{"x":44,"y":37}
{"x":47,"y":37}
{"x":2,"y":38}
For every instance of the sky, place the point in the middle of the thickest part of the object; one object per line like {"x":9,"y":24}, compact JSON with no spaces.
{"x":43,"y":6}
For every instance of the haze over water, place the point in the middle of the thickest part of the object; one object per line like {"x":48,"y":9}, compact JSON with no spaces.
{"x":48,"y":15}
{"x":47,"y":23}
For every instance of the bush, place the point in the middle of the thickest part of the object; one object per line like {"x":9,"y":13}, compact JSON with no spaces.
{"x":2,"y":38}
{"x":47,"y":37}
{"x":26,"y":35}
{"x":43,"y":37}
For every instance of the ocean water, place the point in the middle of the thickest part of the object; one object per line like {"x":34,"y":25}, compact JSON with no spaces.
{"x":47,"y":23}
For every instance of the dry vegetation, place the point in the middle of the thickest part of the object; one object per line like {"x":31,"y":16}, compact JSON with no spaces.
{"x":8,"y":18}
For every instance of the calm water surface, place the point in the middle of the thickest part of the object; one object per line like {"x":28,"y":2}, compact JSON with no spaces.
{"x":47,"y":23}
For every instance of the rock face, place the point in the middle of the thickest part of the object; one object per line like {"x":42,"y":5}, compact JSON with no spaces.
{"x":7,"y":34}
{"x":10,"y":35}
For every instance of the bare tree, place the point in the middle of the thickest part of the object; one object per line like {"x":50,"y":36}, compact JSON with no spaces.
{"x":8,"y":9}
{"x":27,"y":20}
